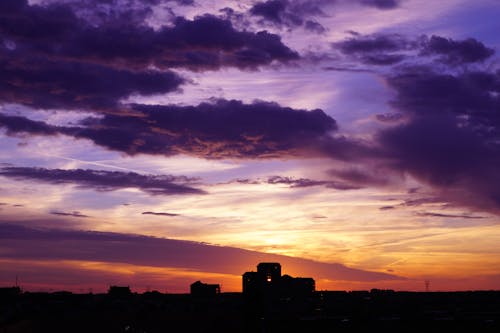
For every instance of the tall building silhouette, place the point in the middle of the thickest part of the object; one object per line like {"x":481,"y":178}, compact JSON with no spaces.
{"x":268,"y":282}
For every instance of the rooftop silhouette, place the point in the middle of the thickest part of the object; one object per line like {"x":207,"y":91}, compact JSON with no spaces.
{"x":268,"y":282}
{"x":200,"y":289}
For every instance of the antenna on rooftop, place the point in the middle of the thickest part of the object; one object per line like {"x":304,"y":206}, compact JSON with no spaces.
{"x":427,"y":285}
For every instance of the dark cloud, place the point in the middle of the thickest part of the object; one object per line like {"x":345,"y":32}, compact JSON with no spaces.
{"x":304,"y":182}
{"x":301,"y":13}
{"x":98,"y":12}
{"x":380,"y":49}
{"x":298,"y":182}
{"x":450,"y":136}
{"x":16,"y":125}
{"x":221,"y":129}
{"x":271,"y":10}
{"x":383,"y":59}
{"x":72,"y":214}
{"x":245,"y":181}
{"x":51,"y":57}
{"x":371,"y":175}
{"x":72,"y":85}
{"x":105,"y":180}
{"x":10,"y":6}
{"x":461,"y":216}
{"x":457,"y":52}
{"x":373,"y":44}
{"x":290,"y":13}
{"x":381,"y":4}
{"x":314,"y":26}
{"x":386,"y":207}
{"x":347,"y":69}
{"x":423,"y":92}
{"x":421,"y":201}
{"x":204,"y":43}
{"x":35,"y":70}
{"x":44,"y":244}
{"x":390,"y":49}
{"x":160,"y":214}
{"x":391,"y":117}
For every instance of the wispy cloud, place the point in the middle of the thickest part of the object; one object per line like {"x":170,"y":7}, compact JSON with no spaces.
{"x":160,"y":214}
{"x":105,"y":180}
{"x":72,"y":214}
{"x":458,"y":216}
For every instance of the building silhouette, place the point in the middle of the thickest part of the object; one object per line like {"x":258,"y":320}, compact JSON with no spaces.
{"x":268,"y":282}
{"x":9,"y":291}
{"x":119,"y":291}
{"x":200,"y":289}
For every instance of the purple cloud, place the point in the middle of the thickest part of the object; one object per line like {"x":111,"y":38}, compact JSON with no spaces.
{"x":390,"y":49}
{"x":105,"y":180}
{"x":381,"y":4}
{"x":53,"y":58}
{"x":373,"y":43}
{"x":72,"y":214}
{"x":222,"y":129}
{"x":298,"y":182}
{"x":304,"y":182}
{"x":459,"y":52}
{"x":272,"y":10}
{"x":290,"y":14}
{"x":15,"y":125}
{"x":300,"y":13}
{"x":461,"y":216}
{"x":381,"y":49}
{"x":39,"y":83}
{"x":53,"y":244}
{"x":451,"y":133}
{"x":160,"y":214}
{"x":204,"y":43}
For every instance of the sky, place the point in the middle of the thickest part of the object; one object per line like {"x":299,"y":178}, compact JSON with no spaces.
{"x":156,"y":143}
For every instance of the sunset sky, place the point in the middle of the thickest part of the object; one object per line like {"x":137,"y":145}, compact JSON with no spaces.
{"x":155,"y":143}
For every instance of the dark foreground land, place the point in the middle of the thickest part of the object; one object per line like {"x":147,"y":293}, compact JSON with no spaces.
{"x":375,"y":311}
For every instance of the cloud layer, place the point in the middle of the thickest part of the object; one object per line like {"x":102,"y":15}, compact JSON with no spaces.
{"x":52,"y":58}
{"x":43,"y":244}
{"x":105,"y":180}
{"x":451,"y":133}
{"x":221,"y":129}
{"x":391,"y":49}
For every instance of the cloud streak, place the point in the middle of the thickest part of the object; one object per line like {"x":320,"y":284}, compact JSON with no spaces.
{"x":44,"y":244}
{"x":299,"y":182}
{"x":105,"y":180}
{"x":461,"y":216}
{"x":392,"y":49}
{"x":72,"y":214}
{"x":160,"y":214}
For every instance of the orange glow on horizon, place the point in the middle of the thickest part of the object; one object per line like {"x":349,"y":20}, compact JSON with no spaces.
{"x":85,"y":276}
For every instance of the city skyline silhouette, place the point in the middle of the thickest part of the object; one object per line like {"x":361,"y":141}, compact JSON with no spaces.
{"x":157,"y":143}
